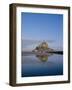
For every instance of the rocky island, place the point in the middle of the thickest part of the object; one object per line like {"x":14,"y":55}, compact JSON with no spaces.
{"x":42,"y":49}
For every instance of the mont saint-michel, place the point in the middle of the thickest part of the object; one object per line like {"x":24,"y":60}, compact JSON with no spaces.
{"x":42,"y":49}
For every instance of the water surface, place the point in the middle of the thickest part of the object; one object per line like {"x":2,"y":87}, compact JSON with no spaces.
{"x":47,"y":65}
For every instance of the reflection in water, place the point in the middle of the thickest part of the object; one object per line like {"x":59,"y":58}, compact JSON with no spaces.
{"x":42,"y":65}
{"x":43,"y":58}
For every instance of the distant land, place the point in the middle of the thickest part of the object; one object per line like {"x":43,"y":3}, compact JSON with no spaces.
{"x":42,"y":49}
{"x":38,"y":53}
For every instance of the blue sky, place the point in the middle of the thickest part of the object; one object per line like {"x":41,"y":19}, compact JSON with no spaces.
{"x":35,"y":26}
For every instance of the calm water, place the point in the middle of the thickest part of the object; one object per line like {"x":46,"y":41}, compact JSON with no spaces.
{"x":33,"y":65}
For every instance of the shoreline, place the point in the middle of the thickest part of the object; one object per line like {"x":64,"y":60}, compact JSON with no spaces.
{"x":43,"y":53}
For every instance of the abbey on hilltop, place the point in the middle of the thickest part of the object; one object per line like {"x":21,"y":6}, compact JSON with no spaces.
{"x":43,"y":48}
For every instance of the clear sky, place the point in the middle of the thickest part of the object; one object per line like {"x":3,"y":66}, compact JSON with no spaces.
{"x":35,"y":26}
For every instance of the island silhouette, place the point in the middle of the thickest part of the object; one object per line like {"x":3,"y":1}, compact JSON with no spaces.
{"x":42,"y":49}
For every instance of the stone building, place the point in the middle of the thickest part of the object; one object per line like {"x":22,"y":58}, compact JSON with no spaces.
{"x":43,"y":47}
